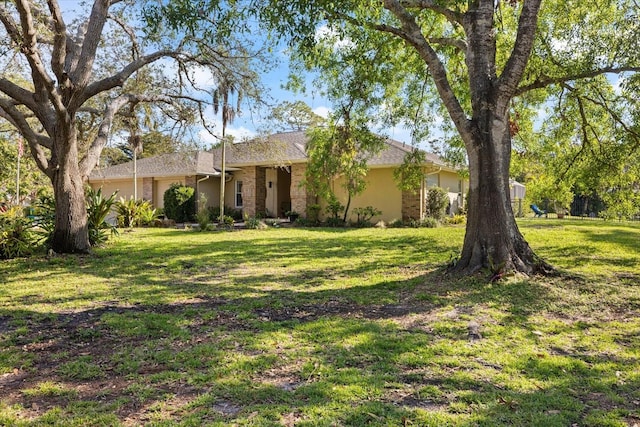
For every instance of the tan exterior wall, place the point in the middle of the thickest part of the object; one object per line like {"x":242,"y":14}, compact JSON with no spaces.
{"x":124,"y":187}
{"x":230,"y":189}
{"x":211,"y":189}
{"x":381,"y":193}
{"x":160,"y":186}
{"x":451,"y":182}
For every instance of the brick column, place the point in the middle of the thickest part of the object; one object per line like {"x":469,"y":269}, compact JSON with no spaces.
{"x":411,"y":205}
{"x":299,"y":197}
{"x":147,"y":189}
{"x":254,"y":190}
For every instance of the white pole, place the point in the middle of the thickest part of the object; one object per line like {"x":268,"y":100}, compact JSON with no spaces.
{"x":135,"y":173}
{"x":222,"y":177}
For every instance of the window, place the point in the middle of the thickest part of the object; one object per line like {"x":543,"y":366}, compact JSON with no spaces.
{"x":238,"y":194}
{"x":432,"y":180}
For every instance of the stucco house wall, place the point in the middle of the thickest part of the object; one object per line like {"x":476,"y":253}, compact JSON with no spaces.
{"x":271,"y":178}
{"x":381,"y":192}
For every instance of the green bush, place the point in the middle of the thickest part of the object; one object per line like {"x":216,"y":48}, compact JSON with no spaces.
{"x":456,"y":219}
{"x":436,"y":203}
{"x":179,"y":203}
{"x":203,"y":218}
{"x":98,"y":208}
{"x":313,"y":214}
{"x":45,"y":210}
{"x":254,"y":223}
{"x":134,"y":213}
{"x":16,"y":234}
{"x":396,"y":223}
{"x":364,"y":215}
{"x":227,"y":223}
{"x":214,"y":213}
{"x":334,"y":208}
{"x":429,"y":222}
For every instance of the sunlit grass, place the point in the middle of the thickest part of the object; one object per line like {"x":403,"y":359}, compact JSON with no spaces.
{"x":315,"y":327}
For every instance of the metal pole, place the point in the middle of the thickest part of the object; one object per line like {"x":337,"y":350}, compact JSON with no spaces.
{"x":222,"y":176}
{"x":135,"y":173}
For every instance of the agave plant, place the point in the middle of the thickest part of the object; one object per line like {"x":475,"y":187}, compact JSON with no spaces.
{"x":98,"y":208}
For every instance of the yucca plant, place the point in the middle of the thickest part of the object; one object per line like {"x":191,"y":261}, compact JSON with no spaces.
{"x":98,"y":208}
{"x":16,"y":237}
{"x":44,"y":222}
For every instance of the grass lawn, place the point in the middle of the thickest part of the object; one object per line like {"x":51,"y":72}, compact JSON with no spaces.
{"x":322,"y":327}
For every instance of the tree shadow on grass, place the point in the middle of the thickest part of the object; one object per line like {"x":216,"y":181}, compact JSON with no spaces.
{"x":291,"y":355}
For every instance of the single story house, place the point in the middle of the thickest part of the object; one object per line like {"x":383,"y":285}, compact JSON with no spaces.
{"x":264,"y":175}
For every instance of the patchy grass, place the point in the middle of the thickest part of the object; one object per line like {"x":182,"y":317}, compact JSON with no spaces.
{"x":323,"y":327}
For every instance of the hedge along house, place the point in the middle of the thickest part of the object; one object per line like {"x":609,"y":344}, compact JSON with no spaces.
{"x":264,"y":176}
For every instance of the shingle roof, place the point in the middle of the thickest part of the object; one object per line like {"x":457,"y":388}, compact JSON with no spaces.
{"x":279,"y":149}
{"x":173,"y":164}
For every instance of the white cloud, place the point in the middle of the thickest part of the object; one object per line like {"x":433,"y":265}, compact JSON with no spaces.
{"x":322,"y":111}
{"x":239,"y":133}
{"x":325,"y":33}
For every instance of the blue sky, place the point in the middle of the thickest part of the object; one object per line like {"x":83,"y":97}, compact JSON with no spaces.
{"x":251,"y":123}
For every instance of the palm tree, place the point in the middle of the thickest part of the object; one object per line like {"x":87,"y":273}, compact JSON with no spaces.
{"x":226,"y":87}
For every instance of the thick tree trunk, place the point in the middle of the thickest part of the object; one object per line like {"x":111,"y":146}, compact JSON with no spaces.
{"x":493,"y":240}
{"x":71,"y":233}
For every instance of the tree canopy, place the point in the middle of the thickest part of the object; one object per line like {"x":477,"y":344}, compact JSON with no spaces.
{"x":486,"y":68}
{"x":68,"y":82}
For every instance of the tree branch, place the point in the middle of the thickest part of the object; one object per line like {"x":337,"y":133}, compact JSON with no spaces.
{"x":59,"y":44}
{"x":517,"y":62}
{"x":119,"y":78}
{"x":81,"y":73}
{"x":90,"y":160}
{"x":544,"y":81}
{"x":412,"y":34}
{"x":452,"y":16}
{"x":35,"y":140}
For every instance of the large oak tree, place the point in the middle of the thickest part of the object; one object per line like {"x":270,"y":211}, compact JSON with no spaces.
{"x":74,"y":70}
{"x":481,"y":60}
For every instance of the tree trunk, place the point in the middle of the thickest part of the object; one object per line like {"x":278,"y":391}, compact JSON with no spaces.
{"x":493,"y":240}
{"x":71,"y":233}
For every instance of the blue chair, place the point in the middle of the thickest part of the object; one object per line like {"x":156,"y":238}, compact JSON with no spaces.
{"x":539,"y":212}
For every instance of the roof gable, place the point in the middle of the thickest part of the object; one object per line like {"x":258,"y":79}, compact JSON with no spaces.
{"x":278,"y":149}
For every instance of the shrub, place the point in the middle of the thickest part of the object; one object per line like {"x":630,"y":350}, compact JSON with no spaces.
{"x":147,"y":215}
{"x":179,"y":203}
{"x":16,"y":235}
{"x":98,"y":208}
{"x":365,"y":215}
{"x":313,"y":214}
{"x":335,"y":222}
{"x":214,"y":213}
{"x":254,"y":223}
{"x":134,"y":213}
{"x":436,"y":203}
{"x":334,"y":208}
{"x":45,"y":210}
{"x":456,"y":219}
{"x":227,"y":222}
{"x":203,"y":218}
{"x":429,"y":222}
{"x":396,"y":223}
